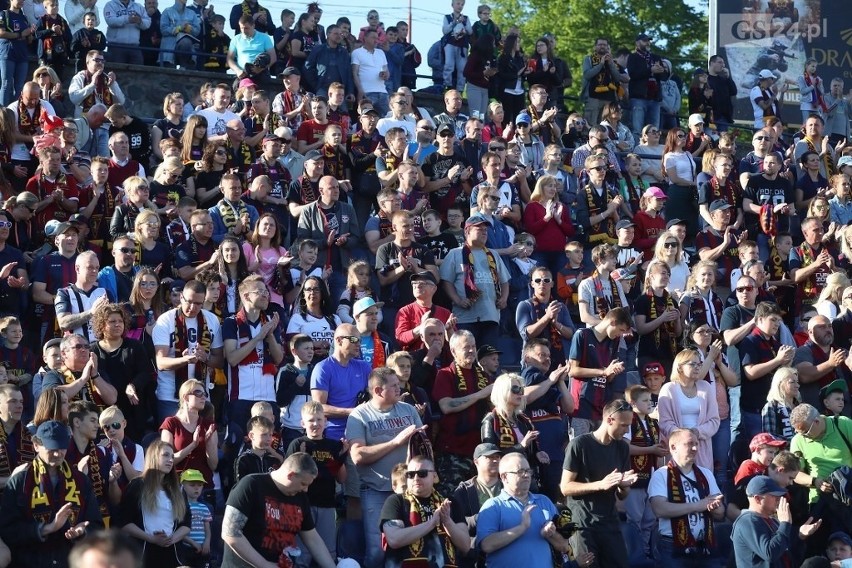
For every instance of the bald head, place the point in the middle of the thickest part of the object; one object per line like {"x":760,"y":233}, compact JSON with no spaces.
{"x":346,"y":330}
{"x":818,"y":321}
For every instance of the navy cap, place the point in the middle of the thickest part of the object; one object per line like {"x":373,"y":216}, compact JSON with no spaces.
{"x":54,"y":435}
{"x":764,"y":485}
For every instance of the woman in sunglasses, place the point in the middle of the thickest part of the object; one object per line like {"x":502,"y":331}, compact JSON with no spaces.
{"x":716,"y":372}
{"x":145,"y":305}
{"x":136,"y":191}
{"x":679,"y":167}
{"x":193,"y":437}
{"x":167,"y":188}
{"x":670,"y":250}
{"x":150,"y":251}
{"x":125,"y":362}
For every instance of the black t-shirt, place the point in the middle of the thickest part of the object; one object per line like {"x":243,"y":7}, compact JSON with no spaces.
{"x":762,"y":191}
{"x":398,"y":508}
{"x":649,"y":346}
{"x":209,"y":180}
{"x":592,"y":461}
{"x":273,"y":519}
{"x":326,"y":454}
{"x":732,"y":318}
{"x":400,"y":292}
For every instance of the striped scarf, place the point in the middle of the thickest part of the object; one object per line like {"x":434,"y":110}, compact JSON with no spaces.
{"x":24,"y":448}
{"x":681,"y":533}
{"x":472,"y":292}
{"x":39,"y":490}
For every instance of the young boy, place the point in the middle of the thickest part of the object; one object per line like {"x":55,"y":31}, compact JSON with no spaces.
{"x":485,"y":25}
{"x":646,"y":451}
{"x":216,"y":42}
{"x":457,"y":30}
{"x":401,"y":361}
{"x":213,"y":281}
{"x":570,"y":276}
{"x":178,"y":231}
{"x":627,"y":259}
{"x":293,"y":388}
{"x":783,"y":468}
{"x":833,"y":397}
{"x":329,"y":456}
{"x":196,"y":545}
{"x":86,"y":39}
{"x":398,"y":478}
{"x":653,"y":377}
{"x":306,"y":263}
{"x":778,"y":271}
{"x":763,"y":449}
{"x":259,"y":458}
{"x":54,"y":38}
{"x":839,"y":549}
{"x":747,"y":251}
{"x":455,"y":219}
{"x":436,"y":241}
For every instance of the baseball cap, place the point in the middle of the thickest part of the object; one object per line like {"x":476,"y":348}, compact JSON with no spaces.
{"x":192,"y":475}
{"x":643,"y":37}
{"x":176,"y":285}
{"x":368,"y":110}
{"x":673,"y":222}
{"x":290,"y":71}
{"x":247,"y":83}
{"x":487,"y":350}
{"x":764,"y":485}
{"x":719,"y":205}
{"x":655,"y":191}
{"x":425,"y":276}
{"x":79,"y":218}
{"x":696,"y":119}
{"x":764,"y":439}
{"x":272,"y":137}
{"x":55,"y":342}
{"x":624,"y":224}
{"x":476,"y":219}
{"x":313,"y":155}
{"x":54,"y":435}
{"x":63,"y":228}
{"x":838,"y":385}
{"x":523,"y":118}
{"x":841,"y":536}
{"x":653,"y":368}
{"x":844,"y":161}
{"x":365,"y":304}
{"x":766,"y":74}
{"x":485,"y":450}
{"x":444,"y":126}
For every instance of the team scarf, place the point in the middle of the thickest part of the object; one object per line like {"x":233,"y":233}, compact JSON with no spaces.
{"x":808,"y":291}
{"x":506,"y":436}
{"x":245,"y":7}
{"x":379,"y":355}
{"x":307,"y":191}
{"x":291,"y":102}
{"x":633,"y":190}
{"x":644,"y":434}
{"x":333,"y":162}
{"x":392,"y":162}
{"x":827,"y":160}
{"x":602,"y":304}
{"x":385,"y":226}
{"x":681,"y":534}
{"x":539,"y":310}
{"x":53,"y":42}
{"x":240,"y":157}
{"x":205,"y":339}
{"x":39,"y":490}
{"x":669,"y":326}
{"x":417,"y":515}
{"x":705,"y":310}
{"x":776,"y":263}
{"x":768,"y":220}
{"x":472,"y":292}
{"x":24,"y":448}
{"x":97,"y":479}
{"x":728,"y":192}
{"x":231,"y":212}
{"x":88,"y":393}
{"x":816,"y":96}
{"x":604,"y":231}
{"x":461,"y":386}
{"x":104,"y":210}
{"x":268,"y":366}
{"x":29,"y":126}
{"x":101,"y":94}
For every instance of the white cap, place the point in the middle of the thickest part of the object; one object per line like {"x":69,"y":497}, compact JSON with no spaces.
{"x":766,"y":74}
{"x":696,"y":119}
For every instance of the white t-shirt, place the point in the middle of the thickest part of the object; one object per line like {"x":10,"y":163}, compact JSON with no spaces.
{"x":406,"y":124}
{"x":317,"y":328}
{"x":161,"y":520}
{"x":20,"y":151}
{"x":690,"y":408}
{"x":217,"y":121}
{"x":756,"y":93}
{"x":658,"y":487}
{"x":681,"y":164}
{"x":369,"y":67}
{"x":164,"y":335}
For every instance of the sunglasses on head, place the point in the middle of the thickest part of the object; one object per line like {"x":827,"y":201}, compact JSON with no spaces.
{"x":421,"y":473}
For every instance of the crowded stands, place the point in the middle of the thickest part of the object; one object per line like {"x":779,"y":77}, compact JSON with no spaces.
{"x":308,"y":316}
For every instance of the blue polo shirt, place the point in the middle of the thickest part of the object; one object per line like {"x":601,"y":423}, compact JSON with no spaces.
{"x":246,"y":49}
{"x":530,"y":550}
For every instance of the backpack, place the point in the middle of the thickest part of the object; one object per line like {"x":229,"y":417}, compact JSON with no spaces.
{"x":671,"y":97}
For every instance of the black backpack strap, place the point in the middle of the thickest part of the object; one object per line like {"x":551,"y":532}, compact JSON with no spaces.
{"x":836,"y":421}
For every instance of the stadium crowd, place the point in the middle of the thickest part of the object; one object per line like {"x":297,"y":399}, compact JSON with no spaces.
{"x":270,"y":328}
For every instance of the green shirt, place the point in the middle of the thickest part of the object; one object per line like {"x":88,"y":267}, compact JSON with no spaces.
{"x":823,"y":456}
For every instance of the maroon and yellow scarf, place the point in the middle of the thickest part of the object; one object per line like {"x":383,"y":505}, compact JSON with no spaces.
{"x":681,"y":534}
{"x":472,"y":292}
{"x":24,"y":448}
{"x":205,"y":339}
{"x":38,"y":489}
{"x":644,"y":435}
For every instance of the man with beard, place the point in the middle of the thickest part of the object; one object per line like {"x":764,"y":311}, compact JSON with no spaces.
{"x":58,"y":194}
{"x":819,"y":363}
{"x":452,"y":114}
{"x":197,"y":253}
{"x":600,"y":81}
{"x":268,"y":164}
{"x":253,"y":350}
{"x":16,"y":445}
{"x":78,"y":377}
{"x":27,"y":110}
{"x":815,"y":140}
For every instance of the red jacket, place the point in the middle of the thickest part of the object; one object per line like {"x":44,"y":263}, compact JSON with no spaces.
{"x":550,"y":236}
{"x":646,"y":232}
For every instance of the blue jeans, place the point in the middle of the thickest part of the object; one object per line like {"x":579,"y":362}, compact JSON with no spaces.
{"x":372,"y":502}
{"x":477,"y":101}
{"x":721,"y":443}
{"x":119,"y":53}
{"x":666,"y":558}
{"x":13,"y":75}
{"x":380,"y":101}
{"x":644,"y":112}
{"x":455,"y":59}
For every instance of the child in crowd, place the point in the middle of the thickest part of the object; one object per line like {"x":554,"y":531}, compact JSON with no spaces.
{"x":178,"y":231}
{"x":455,"y":219}
{"x":54,"y":38}
{"x":628,"y":259}
{"x":839,"y":549}
{"x":747,"y":251}
{"x":357,"y":286}
{"x":306,"y":263}
{"x":329,"y":456}
{"x":439,"y":243}
{"x":293,"y":388}
{"x":778,"y":276}
{"x":646,"y":452}
{"x":632,"y":186}
{"x":398,"y":478}
{"x":85,"y":40}
{"x":833,"y":397}
{"x":400,"y":362}
{"x":763,"y":449}
{"x":216,"y":43}
{"x":20,"y":361}
{"x":263,"y":408}
{"x":196,"y":545}
{"x":653,"y":377}
{"x":570,"y":276}
{"x":485,"y":25}
{"x":259,"y":458}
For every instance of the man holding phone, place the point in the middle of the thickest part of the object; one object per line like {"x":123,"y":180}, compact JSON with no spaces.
{"x":687,"y":502}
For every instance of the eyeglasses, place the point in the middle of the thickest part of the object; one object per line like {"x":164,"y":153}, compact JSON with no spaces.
{"x":351,"y":338}
{"x":125,"y":250}
{"x":191,"y":303}
{"x":517,"y":389}
{"x":745,"y":288}
{"x":5,"y":225}
{"x":761,"y":138}
{"x":112,"y":426}
{"x":262,"y":293}
{"x":495,"y":198}
{"x":79,"y":347}
{"x":522,"y":472}
{"x":497,"y":149}
{"x":199,"y":393}
{"x":307,"y":290}
{"x":598,"y":168}
{"x":148,"y":284}
{"x":542,"y":280}
{"x":807,"y":433}
{"x":670,"y":245}
{"x":421,"y":473}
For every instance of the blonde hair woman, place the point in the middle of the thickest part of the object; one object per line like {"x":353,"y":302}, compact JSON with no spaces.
{"x":137,"y":192}
{"x":782,"y":398}
{"x":829,"y":302}
{"x":657,"y":318}
{"x":155,"y":510}
{"x":193,"y":437}
{"x":701,"y":303}
{"x":506,"y":425}
{"x":690,"y":402}
{"x":669,"y":249}
{"x":150,"y":251}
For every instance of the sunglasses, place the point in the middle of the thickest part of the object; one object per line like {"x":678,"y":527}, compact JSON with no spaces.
{"x":446,"y":134}
{"x":670,"y":245}
{"x":221,"y":153}
{"x":199,"y":393}
{"x":517,"y":389}
{"x":761,"y":138}
{"x":5,"y":224}
{"x":745,"y":288}
{"x":125,"y":250}
{"x":540,"y":280}
{"x":113,"y":426}
{"x":598,"y":168}
{"x":421,"y":473}
{"x":352,"y":338}
{"x":497,"y":149}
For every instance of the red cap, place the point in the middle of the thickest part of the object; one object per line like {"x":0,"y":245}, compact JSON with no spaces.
{"x":653,"y":368}
{"x":765,"y":439}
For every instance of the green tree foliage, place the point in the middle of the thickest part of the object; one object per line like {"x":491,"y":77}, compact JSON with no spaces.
{"x":679,"y":29}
